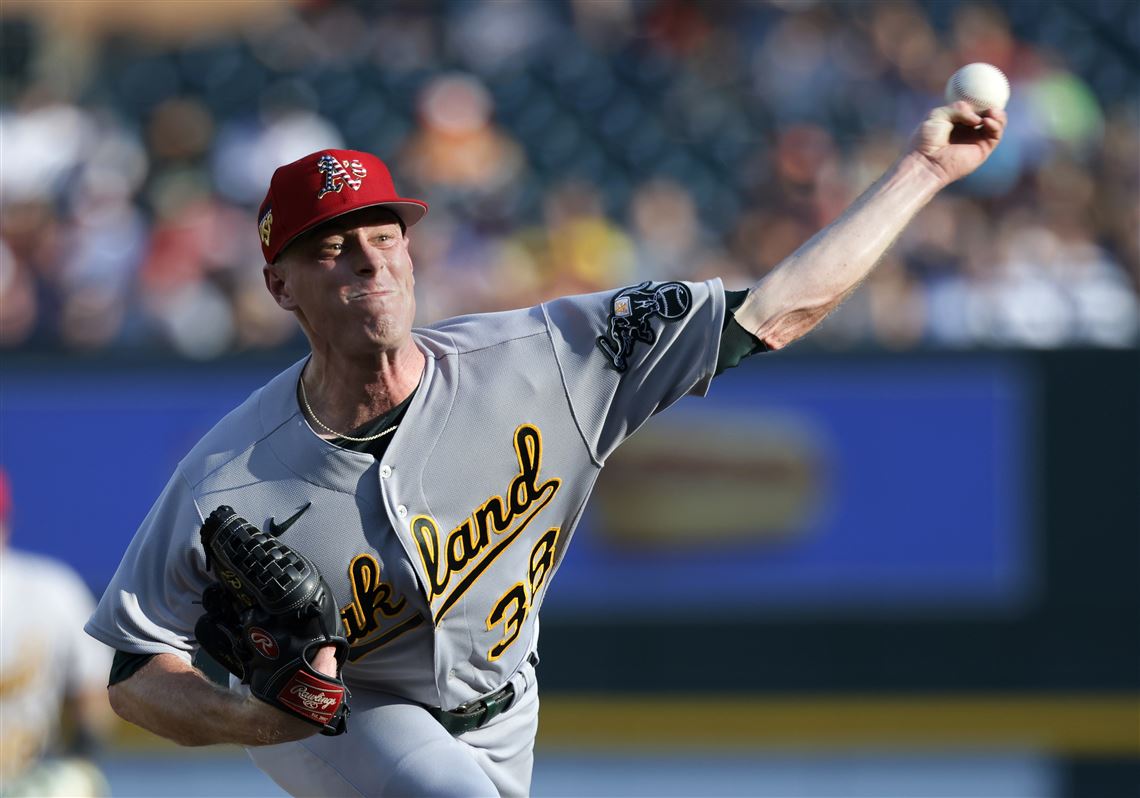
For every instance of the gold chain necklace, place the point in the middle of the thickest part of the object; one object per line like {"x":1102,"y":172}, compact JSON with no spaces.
{"x":327,"y":428}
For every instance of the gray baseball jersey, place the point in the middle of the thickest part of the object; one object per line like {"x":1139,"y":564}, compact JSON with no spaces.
{"x":440,"y":553}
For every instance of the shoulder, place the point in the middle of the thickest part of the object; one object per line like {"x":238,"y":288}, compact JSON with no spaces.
{"x":462,"y":334}
{"x":640,"y":310}
{"x":589,"y":313}
{"x":246,"y":425}
{"x":668,"y":301}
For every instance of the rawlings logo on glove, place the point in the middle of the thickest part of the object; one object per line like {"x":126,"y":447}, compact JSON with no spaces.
{"x":266,"y":618}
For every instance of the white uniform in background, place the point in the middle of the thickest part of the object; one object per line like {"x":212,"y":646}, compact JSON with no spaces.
{"x":44,"y":657}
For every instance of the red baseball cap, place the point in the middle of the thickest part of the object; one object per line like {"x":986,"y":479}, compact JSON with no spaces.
{"x":322,"y":186}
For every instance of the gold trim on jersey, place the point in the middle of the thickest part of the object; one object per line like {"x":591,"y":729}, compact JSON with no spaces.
{"x":510,"y":611}
{"x":506,"y":516}
{"x":371,"y":597}
{"x":521,"y":594}
{"x":362,"y":650}
{"x":543,"y":549}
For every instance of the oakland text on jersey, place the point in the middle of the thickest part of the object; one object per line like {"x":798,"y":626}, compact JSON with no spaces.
{"x":506,"y":516}
{"x":371,"y":596}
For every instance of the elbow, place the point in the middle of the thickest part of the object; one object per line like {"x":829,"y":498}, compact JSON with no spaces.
{"x":120,"y":701}
{"x":778,"y":323}
{"x":792,"y":326}
{"x":774,"y":342}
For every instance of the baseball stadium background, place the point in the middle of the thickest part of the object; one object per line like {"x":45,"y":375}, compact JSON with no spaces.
{"x":899,"y":559}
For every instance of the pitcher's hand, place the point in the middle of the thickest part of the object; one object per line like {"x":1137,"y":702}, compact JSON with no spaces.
{"x":954,"y":140}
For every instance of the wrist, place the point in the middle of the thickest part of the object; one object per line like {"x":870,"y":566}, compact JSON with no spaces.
{"x":917,"y":170}
{"x":268,"y":725}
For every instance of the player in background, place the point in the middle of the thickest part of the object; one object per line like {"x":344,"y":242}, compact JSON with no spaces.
{"x":52,"y":676}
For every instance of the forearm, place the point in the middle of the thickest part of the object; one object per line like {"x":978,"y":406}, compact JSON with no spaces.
{"x":172,"y":699}
{"x":813,"y":280}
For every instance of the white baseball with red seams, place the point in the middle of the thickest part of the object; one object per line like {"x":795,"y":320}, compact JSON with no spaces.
{"x":983,"y":86}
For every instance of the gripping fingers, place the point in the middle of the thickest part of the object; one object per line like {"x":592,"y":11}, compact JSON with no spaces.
{"x":960,"y":113}
{"x":991,"y":120}
{"x":994,"y":121}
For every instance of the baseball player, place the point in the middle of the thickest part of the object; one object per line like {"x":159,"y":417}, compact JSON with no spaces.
{"x":413,"y":491}
{"x":49,"y":669}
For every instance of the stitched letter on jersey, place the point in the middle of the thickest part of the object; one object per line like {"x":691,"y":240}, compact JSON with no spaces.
{"x":514,"y":605}
{"x":372,"y":597}
{"x":454,"y":563}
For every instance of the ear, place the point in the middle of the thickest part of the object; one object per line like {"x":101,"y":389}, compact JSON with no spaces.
{"x":278,"y":286}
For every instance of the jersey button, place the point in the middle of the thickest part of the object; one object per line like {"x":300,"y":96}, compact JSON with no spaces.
{"x":401,"y":511}
{"x":385,"y":471}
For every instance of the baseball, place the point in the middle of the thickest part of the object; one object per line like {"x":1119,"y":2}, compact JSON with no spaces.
{"x":983,"y":86}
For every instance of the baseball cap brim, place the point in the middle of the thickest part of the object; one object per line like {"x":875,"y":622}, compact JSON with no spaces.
{"x":410,"y":211}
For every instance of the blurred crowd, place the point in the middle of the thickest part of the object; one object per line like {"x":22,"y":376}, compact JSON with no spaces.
{"x":563,"y":146}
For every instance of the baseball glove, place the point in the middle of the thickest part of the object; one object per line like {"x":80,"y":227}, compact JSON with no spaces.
{"x":266,"y":618}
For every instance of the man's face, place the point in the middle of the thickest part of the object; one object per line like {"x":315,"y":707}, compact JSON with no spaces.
{"x":350,"y":283}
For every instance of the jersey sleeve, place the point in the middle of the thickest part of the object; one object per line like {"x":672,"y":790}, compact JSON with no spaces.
{"x":626,"y":355}
{"x":149,"y":607}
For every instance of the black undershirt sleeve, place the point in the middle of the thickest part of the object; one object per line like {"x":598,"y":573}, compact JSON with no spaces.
{"x":126,"y":665}
{"x":736,"y":343}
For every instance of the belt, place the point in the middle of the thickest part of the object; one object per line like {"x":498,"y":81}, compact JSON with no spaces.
{"x":468,"y":717}
{"x":476,"y":714}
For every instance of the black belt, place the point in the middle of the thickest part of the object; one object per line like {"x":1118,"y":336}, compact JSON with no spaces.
{"x":475,"y":715}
